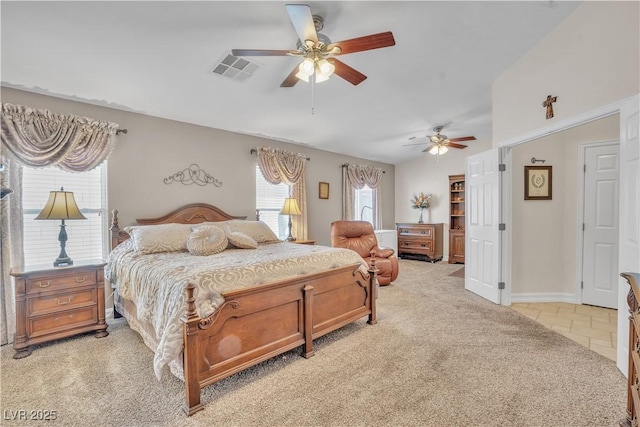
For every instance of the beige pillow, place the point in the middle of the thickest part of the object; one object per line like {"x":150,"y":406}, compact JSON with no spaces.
{"x":241,"y":240}
{"x":207,"y":240}
{"x":149,"y":239}
{"x":257,"y":230}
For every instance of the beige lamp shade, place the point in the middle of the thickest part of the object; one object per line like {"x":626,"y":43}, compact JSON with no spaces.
{"x":290,"y":207}
{"x":61,"y":205}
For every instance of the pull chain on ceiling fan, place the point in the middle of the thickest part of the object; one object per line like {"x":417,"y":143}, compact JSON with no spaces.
{"x":318,"y":51}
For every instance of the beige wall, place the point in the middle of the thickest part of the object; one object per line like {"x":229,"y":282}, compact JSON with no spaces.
{"x":430,"y":174}
{"x":590,"y":60}
{"x":544,"y":236}
{"x":155,"y":148}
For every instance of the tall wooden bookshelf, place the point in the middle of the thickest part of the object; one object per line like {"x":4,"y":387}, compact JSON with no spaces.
{"x":456,"y":219}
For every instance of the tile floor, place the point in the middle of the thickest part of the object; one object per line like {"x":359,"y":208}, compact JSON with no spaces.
{"x":593,"y":327}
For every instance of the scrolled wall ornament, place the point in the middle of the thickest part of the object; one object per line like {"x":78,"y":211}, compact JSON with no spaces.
{"x":193,"y":175}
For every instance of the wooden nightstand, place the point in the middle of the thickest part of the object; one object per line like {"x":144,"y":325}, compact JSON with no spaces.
{"x":304,"y":242}
{"x":58,"y":302}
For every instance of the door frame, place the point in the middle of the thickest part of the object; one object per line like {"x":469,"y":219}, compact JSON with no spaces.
{"x":582,"y":148}
{"x":580,"y":119}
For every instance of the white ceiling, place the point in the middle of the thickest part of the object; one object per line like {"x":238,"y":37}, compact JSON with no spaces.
{"x":155,"y":58}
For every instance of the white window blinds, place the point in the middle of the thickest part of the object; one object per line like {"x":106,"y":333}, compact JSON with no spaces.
{"x":269,"y":201}
{"x":86,"y":237}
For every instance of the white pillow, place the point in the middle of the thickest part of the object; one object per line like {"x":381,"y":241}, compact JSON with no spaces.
{"x":149,"y":239}
{"x":241,"y":240}
{"x":207,"y":240}
{"x":257,"y":230}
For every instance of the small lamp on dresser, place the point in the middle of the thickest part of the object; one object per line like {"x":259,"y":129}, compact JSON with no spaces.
{"x":61,"y":205}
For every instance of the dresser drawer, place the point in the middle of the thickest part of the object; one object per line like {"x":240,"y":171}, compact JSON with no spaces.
{"x":417,"y":231}
{"x":61,"y":281}
{"x":415,"y":243}
{"x":61,"y":302}
{"x":61,"y":321}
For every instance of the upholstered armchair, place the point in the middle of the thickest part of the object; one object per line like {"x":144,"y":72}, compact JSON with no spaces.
{"x":359,"y":236}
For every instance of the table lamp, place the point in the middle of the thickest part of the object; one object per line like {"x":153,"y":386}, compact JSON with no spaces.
{"x":61,"y":205}
{"x":290,"y":207}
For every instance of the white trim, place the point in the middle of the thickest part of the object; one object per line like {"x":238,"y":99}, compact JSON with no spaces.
{"x":108,"y":313}
{"x":580,"y":119}
{"x":551,"y":297}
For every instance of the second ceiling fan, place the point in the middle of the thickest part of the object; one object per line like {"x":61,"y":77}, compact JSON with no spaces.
{"x":318,"y":51}
{"x":438,"y":143}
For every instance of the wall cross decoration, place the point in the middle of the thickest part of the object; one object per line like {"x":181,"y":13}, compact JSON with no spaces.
{"x":549,"y":105}
{"x":193,"y":175}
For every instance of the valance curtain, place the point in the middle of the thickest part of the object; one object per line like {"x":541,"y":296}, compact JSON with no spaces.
{"x":356,"y":177}
{"x":279,"y":166}
{"x":39,"y":138}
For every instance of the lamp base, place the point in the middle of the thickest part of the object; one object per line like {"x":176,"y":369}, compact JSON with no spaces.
{"x":62,"y":261}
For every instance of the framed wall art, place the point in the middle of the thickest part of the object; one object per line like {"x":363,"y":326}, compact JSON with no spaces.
{"x":323,"y":190}
{"x":538,"y":183}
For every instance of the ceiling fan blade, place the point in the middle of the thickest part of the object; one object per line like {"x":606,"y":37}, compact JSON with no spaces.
{"x":415,"y":143}
{"x":259,"y":52}
{"x":291,"y":79}
{"x":429,"y":148}
{"x":373,"y":41}
{"x":351,"y":75}
{"x":302,"y":20}
{"x":454,"y":145}
{"x":464,"y":138}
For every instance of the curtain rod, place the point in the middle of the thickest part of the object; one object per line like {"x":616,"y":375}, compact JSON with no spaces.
{"x":254,"y":151}
{"x":344,"y":165}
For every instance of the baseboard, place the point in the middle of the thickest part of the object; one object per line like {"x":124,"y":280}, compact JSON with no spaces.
{"x":108,"y":313}
{"x":552,"y":297}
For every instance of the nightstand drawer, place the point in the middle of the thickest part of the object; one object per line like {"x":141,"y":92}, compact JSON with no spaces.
{"x":50,"y":283}
{"x":61,"y":321}
{"x":61,"y":302}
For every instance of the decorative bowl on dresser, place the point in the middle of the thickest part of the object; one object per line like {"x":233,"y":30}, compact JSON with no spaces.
{"x":420,"y":241}
{"x":58,"y":302}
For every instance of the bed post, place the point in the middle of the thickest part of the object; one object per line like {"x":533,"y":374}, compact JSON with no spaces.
{"x":190,"y":336}
{"x":308,"y":321}
{"x":373,"y":286}
{"x":115,"y":229}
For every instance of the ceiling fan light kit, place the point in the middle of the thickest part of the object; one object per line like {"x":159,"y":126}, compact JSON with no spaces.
{"x":316,"y":48}
{"x":440,"y":144}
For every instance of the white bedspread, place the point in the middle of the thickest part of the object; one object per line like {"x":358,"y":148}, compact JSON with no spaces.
{"x":156,"y":282}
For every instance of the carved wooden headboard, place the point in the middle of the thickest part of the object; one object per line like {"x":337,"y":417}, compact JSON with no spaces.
{"x":193,"y":213}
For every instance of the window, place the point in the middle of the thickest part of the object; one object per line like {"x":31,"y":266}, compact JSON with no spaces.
{"x":363,"y":206}
{"x":86,"y":238}
{"x":269,"y":201}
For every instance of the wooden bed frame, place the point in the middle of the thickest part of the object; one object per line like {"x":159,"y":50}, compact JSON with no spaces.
{"x":258,"y":323}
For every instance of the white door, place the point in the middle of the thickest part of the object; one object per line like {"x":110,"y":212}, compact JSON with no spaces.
{"x":629,"y":241}
{"x":600,"y":226}
{"x":482,"y":254}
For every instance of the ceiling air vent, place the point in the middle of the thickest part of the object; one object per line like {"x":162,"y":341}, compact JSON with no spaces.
{"x":234,"y":68}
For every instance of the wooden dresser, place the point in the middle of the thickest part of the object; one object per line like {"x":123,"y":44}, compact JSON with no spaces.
{"x":54,"y":303}
{"x":420,"y":241}
{"x":633,"y":378}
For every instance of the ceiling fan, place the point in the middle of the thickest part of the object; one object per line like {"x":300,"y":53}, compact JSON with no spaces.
{"x":318,"y":51}
{"x":439,"y":143}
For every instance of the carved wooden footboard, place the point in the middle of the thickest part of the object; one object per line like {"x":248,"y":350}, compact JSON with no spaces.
{"x":258,"y":323}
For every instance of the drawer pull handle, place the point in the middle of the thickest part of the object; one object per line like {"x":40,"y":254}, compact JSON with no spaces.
{"x":423,"y":232}
{"x":423,"y":245}
{"x":44,"y":285}
{"x":62,"y":318}
{"x":81,"y":279}
{"x":64,"y":302}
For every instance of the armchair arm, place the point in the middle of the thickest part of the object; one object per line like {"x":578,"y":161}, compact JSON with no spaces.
{"x":384,"y":252}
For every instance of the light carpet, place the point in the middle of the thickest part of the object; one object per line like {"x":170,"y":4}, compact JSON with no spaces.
{"x":439,"y":355}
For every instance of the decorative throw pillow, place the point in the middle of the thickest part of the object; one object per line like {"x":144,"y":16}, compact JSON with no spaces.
{"x":149,"y":239}
{"x":207,"y":240}
{"x":241,"y":240}
{"x":257,"y":230}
